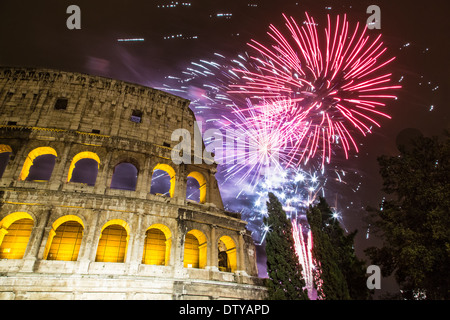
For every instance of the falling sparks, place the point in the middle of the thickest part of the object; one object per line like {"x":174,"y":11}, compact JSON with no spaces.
{"x":305,"y":257}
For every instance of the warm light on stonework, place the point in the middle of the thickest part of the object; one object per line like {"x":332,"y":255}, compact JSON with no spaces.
{"x":112,"y":246}
{"x":201,"y":182}
{"x":170,"y":172}
{"x":78,"y":157}
{"x":15,"y":231}
{"x":30,"y":158}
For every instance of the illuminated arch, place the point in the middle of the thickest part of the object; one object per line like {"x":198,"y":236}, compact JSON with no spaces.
{"x":30,"y":158}
{"x":15,"y":231}
{"x":157,"y":245}
{"x":69,"y":217}
{"x":11,"y":218}
{"x":195,"y":249}
{"x":202,"y":184}
{"x":227,"y":254}
{"x":78,"y":157}
{"x":171,"y":172}
{"x":64,"y":239}
{"x":113,"y":242}
{"x":5,"y":148}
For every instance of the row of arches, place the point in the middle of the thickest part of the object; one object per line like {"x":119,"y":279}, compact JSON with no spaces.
{"x":66,"y":236}
{"x":85,"y":165}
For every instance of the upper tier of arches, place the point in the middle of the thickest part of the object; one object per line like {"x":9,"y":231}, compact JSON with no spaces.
{"x":83,"y":167}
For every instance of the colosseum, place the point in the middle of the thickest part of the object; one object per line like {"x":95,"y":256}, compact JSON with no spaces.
{"x":92,"y":206}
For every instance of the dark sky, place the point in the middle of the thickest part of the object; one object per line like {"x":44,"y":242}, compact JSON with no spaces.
{"x":34,"y":33}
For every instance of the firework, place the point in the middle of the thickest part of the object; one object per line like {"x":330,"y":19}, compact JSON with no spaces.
{"x":326,"y":86}
{"x":305,"y":257}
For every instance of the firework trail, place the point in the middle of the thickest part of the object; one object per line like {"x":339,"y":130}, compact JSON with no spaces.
{"x":304,"y":252}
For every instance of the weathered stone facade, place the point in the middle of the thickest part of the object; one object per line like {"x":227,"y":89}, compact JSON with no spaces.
{"x":72,"y":115}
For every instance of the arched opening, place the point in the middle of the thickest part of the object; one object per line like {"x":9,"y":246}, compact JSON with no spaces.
{"x":158,"y":241}
{"x":124,"y":177}
{"x":192,"y":189}
{"x":196,"y":187}
{"x":84,"y":168}
{"x":39,"y":164}
{"x":113,"y":243}
{"x":163,"y":180}
{"x":15,"y":231}
{"x":5,"y":153}
{"x":64,"y":240}
{"x":195,"y":249}
{"x":227,"y":254}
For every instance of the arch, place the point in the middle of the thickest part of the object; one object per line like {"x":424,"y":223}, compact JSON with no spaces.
{"x":171,"y":172}
{"x":15,"y":232}
{"x":157,"y":245}
{"x":124,"y":176}
{"x":81,"y":156}
{"x":227,"y":257}
{"x":12,"y":217}
{"x":202,"y":184}
{"x":32,"y":156}
{"x":119,"y":222}
{"x":113,"y":242}
{"x":164,"y":229}
{"x":195,"y":249}
{"x":5,"y":152}
{"x":64,"y":240}
{"x":69,"y":217}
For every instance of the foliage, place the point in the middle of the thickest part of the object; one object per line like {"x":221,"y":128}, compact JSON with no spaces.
{"x":342,"y":273}
{"x":415,"y":220}
{"x":285,"y":272}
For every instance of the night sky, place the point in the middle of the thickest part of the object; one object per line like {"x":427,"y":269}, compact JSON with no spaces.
{"x":34,"y":34}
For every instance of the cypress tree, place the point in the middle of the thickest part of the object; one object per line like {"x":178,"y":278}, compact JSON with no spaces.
{"x":285,"y":272}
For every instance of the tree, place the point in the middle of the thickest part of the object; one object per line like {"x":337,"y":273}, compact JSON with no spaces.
{"x":285,"y":272}
{"x":342,"y":273}
{"x":414,"y":221}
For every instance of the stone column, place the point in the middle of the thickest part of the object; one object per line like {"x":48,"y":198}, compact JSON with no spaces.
{"x":213,"y":266}
{"x":168,"y":250}
{"x":240,"y":257}
{"x":143,"y":186}
{"x":179,"y":271}
{"x":151,"y":164}
{"x":101,"y":183}
{"x":136,"y":243}
{"x":87,"y":245}
{"x":57,"y":178}
{"x":180,"y":183}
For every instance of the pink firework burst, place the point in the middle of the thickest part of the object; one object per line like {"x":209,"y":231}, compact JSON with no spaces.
{"x":326,"y":86}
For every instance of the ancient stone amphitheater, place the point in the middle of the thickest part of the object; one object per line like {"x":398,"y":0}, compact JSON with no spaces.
{"x":82,"y":215}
